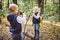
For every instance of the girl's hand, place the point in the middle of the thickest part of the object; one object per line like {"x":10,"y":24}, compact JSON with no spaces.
{"x":36,"y":17}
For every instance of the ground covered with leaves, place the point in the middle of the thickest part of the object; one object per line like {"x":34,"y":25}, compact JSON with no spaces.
{"x":49,"y":31}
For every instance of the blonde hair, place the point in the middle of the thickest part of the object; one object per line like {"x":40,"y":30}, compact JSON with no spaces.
{"x":36,"y":7}
{"x":13,"y":7}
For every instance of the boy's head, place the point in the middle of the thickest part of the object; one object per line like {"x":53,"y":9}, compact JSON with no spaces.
{"x":36,"y":9}
{"x":13,"y":8}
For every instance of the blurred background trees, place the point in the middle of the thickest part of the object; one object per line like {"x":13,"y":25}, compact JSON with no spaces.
{"x":50,"y":8}
{"x":50,"y":12}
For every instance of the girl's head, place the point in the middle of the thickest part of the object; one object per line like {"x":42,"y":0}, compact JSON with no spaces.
{"x":36,"y":9}
{"x":13,"y":8}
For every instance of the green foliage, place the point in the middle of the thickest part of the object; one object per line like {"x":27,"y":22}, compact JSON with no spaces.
{"x":51,"y":9}
{"x":25,"y":6}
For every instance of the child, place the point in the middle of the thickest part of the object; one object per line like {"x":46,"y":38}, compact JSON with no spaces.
{"x":36,"y":21}
{"x":15,"y":22}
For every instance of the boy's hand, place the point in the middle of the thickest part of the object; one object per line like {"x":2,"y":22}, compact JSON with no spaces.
{"x":21,"y":15}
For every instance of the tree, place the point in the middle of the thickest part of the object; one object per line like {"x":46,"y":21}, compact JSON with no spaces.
{"x":15,"y":1}
{"x":1,"y":5}
{"x":8,"y":3}
{"x":41,"y":4}
{"x":0,"y":8}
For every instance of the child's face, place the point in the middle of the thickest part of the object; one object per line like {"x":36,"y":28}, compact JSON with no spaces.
{"x":36,"y":10}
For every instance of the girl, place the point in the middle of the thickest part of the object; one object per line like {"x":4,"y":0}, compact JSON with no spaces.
{"x":36,"y":21}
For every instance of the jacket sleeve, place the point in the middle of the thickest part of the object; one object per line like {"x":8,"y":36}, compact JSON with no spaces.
{"x":21,"y":19}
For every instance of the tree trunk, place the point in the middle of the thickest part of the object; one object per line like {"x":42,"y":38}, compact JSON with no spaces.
{"x":45,"y":2}
{"x":15,"y":1}
{"x":0,"y":20}
{"x":8,"y":3}
{"x":29,"y":35}
{"x":41,"y":4}
{"x":1,"y":5}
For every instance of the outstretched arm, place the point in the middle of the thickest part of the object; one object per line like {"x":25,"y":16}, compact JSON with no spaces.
{"x":37,"y":17}
{"x":21,"y":19}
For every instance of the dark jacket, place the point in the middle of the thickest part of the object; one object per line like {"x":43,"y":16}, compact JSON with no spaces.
{"x":15,"y":27}
{"x":34,"y":20}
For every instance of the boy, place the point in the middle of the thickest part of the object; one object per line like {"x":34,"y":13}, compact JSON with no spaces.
{"x":15,"y":22}
{"x":36,"y":21}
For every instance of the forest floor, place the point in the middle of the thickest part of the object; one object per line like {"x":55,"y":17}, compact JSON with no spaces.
{"x":49,"y":31}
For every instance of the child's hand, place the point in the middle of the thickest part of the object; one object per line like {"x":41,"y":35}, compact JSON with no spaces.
{"x":21,"y":15}
{"x":36,"y":17}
